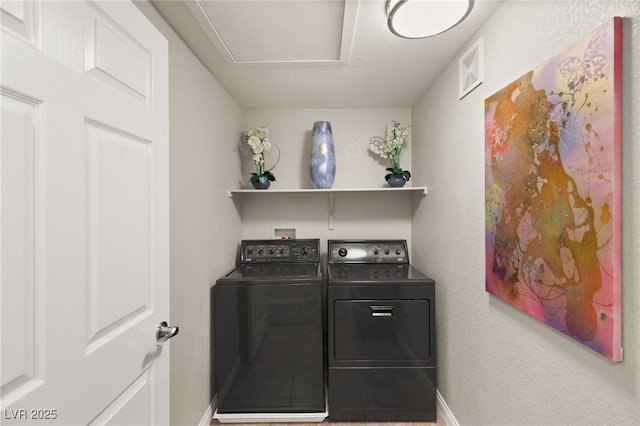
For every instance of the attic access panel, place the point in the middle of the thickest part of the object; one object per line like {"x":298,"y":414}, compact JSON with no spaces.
{"x":278,"y":31}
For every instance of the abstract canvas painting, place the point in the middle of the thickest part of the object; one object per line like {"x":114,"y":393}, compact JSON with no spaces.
{"x":553,"y":191}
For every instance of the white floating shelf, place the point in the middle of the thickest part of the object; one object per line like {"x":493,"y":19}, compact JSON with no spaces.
{"x":239,"y":192}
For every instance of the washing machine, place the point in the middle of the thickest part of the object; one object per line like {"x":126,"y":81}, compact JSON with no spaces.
{"x":267,"y":326}
{"x":381,"y":333}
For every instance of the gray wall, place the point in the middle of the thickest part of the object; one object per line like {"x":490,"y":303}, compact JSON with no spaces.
{"x":204,"y":123}
{"x":496,"y":364}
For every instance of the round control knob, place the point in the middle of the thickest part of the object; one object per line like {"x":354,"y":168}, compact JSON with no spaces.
{"x":250,"y":251}
{"x":304,"y":250}
{"x":342,"y":252}
{"x":271,"y":251}
{"x":398,"y":251}
{"x":386,"y":250}
{"x":260,"y":251}
{"x":376,"y":252}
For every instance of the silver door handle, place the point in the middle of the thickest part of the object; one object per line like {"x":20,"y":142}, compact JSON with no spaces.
{"x":164,"y":332}
{"x":381,"y":311}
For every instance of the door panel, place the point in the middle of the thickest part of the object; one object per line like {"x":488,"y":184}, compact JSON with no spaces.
{"x":119,"y":214}
{"x":115,"y":57}
{"x":84,"y":238}
{"x":19,"y":17}
{"x":20,"y":343}
{"x":132,"y":407}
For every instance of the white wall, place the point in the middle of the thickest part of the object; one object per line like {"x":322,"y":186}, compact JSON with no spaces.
{"x":356,"y":215}
{"x":496,"y":364}
{"x":204,"y":123}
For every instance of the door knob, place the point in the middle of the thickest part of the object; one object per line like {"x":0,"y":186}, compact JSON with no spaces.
{"x":164,"y":332}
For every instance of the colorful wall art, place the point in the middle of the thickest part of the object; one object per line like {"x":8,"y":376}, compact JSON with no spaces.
{"x":553,"y":191}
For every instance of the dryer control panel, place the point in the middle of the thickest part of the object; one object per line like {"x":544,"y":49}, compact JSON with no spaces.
{"x":368,"y":251}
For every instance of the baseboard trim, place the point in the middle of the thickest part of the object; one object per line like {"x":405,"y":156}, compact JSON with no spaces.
{"x":444,"y":411}
{"x":207,"y":417}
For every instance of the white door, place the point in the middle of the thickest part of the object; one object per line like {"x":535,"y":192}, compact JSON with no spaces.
{"x":84,"y":214}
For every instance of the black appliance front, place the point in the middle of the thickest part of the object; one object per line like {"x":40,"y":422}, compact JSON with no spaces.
{"x":381,"y":334}
{"x":268,"y":330}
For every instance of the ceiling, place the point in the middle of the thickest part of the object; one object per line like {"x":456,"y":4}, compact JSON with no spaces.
{"x":315,"y":53}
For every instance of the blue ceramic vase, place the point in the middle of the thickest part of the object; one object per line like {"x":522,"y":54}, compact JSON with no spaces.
{"x":396,"y":181}
{"x":322,"y":163}
{"x":262,"y":183}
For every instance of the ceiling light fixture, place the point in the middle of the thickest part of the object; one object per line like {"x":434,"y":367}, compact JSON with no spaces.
{"x":425,"y":18}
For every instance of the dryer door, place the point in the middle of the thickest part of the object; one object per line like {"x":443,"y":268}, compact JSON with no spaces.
{"x":377,"y":330}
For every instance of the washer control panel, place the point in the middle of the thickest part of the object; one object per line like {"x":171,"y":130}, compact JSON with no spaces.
{"x":368,"y":251}
{"x":300,"y":250}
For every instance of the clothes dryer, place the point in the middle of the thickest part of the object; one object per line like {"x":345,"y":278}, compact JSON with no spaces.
{"x":381,"y":333}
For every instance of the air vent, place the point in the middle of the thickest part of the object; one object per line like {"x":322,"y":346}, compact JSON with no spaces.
{"x":470,"y":71}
